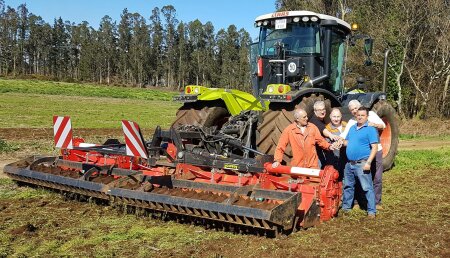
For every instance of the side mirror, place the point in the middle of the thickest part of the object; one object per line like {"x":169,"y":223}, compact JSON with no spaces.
{"x":368,"y":46}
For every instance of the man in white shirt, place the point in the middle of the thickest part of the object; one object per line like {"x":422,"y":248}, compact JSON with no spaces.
{"x":377,"y":168}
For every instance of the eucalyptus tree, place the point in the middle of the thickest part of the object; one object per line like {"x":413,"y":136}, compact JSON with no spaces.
{"x":210,"y":67}
{"x":183,"y":55}
{"x":243,"y":69}
{"x":156,"y":51}
{"x":171,"y":22}
{"x":23,"y":29}
{"x":139,"y":49}
{"x":10,"y":55}
{"x":230,"y":58}
{"x":124,"y":41}
{"x":107,"y":37}
{"x":197,"y":40}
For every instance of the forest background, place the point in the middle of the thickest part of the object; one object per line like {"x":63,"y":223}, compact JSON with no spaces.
{"x":161,"y":51}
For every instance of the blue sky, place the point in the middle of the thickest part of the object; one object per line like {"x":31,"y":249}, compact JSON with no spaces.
{"x":221,"y":13}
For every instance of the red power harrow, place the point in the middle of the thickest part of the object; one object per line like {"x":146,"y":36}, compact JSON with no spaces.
{"x":189,"y":175}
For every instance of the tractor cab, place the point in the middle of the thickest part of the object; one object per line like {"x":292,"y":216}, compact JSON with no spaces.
{"x":298,"y":50}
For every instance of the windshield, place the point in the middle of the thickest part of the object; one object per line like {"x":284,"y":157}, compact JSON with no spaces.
{"x":297,"y":39}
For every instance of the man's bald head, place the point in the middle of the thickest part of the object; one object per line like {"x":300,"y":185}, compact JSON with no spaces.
{"x":336,"y":116}
{"x":300,"y":116}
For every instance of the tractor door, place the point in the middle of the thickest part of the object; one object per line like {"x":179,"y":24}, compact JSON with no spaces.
{"x":338,"y":49}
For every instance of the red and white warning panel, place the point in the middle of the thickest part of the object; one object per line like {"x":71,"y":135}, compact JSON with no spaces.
{"x":133,"y":139}
{"x":62,"y":132}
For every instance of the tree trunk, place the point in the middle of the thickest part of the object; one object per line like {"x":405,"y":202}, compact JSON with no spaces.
{"x":444,"y":95}
{"x":108,"y":78}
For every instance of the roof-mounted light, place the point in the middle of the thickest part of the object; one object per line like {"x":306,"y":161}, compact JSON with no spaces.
{"x":314,"y":19}
{"x":259,"y":23}
{"x":296,"y":19}
{"x":305,"y":19}
{"x":265,"y":22}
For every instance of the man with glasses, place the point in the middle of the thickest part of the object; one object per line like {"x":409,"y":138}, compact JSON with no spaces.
{"x":318,"y":119}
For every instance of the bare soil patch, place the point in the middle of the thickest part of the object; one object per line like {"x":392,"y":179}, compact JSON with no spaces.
{"x":428,"y":127}
{"x":422,"y":144}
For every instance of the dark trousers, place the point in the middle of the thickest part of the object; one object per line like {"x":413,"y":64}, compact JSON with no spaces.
{"x":377,"y":175}
{"x":322,"y":159}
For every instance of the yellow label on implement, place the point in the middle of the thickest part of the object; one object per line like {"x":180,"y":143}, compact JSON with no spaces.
{"x":231,"y":166}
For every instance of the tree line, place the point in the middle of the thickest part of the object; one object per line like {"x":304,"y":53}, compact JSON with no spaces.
{"x":155,"y":51}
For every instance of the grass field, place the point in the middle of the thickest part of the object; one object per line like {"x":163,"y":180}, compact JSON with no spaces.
{"x":32,"y":104}
{"x":39,"y":223}
{"x":76,"y":89}
{"x":25,"y":110}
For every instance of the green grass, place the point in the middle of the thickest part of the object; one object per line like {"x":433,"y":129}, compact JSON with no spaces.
{"x":76,"y":89}
{"x":24,"y":110}
{"x":7,"y":147}
{"x":423,"y":159}
{"x":10,"y":190}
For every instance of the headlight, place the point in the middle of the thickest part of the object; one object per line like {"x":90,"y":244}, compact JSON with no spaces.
{"x":196,"y":90}
{"x":270,"y":89}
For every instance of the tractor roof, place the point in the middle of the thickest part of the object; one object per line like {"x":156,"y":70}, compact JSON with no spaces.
{"x":300,"y":14}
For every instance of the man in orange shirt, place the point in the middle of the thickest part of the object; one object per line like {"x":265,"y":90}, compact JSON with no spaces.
{"x":303,"y":137}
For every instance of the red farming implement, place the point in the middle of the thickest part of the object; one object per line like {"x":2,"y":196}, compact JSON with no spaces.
{"x":191,"y":174}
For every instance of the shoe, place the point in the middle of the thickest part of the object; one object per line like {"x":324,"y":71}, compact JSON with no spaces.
{"x":371,"y":216}
{"x":379,"y":207}
{"x":356,"y":206}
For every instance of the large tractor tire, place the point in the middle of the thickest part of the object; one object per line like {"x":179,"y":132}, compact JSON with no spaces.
{"x":389,"y":135}
{"x":278,"y":117}
{"x":207,"y":114}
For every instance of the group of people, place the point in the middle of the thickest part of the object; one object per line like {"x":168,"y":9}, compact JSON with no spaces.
{"x":352,"y":147}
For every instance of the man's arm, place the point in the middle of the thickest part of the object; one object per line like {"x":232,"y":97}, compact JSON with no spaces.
{"x":350,"y":123}
{"x":373,"y":152}
{"x":376,"y":121}
{"x":331,"y":136}
{"x":281,"y":147}
{"x":319,"y":140}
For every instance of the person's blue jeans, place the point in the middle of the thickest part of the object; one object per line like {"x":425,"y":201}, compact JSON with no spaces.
{"x":352,"y":172}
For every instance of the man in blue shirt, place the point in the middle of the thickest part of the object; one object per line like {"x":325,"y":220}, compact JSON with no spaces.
{"x":362,"y":145}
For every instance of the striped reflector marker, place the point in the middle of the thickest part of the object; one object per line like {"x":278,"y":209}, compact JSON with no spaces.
{"x":133,"y":139}
{"x":62,"y":132}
